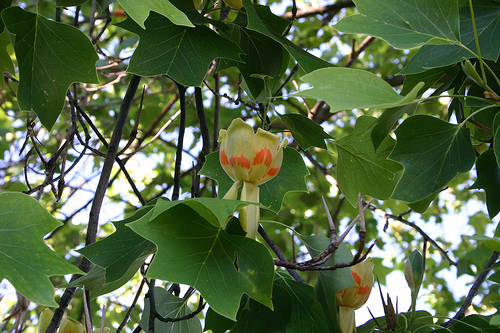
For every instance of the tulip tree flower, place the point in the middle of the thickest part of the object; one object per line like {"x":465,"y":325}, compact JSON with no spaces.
{"x":250,"y":159}
{"x":354,"y":297}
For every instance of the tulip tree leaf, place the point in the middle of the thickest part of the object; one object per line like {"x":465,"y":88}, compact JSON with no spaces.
{"x":496,"y":137}
{"x":6,"y":64}
{"x":487,"y":19}
{"x":168,"y":305}
{"x":361,"y":169}
{"x":306,"y":132}
{"x":432,"y":152}
{"x":140,"y":10}
{"x":347,"y":88}
{"x":307,"y":314}
{"x":413,"y":23}
{"x":291,"y":178}
{"x":193,"y":251}
{"x":51,"y":56}
{"x":182,"y":53}
{"x":488,"y":178}
{"x":25,"y":260}
{"x":261,"y":19}
{"x":97,"y":282}
{"x":116,"y":252}
{"x":215,"y":211}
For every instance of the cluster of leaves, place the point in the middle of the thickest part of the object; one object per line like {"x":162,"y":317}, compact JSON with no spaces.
{"x":401,"y":147}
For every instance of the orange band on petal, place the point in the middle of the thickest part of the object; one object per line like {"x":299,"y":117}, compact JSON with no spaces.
{"x":223,"y":157}
{"x":273,"y":172}
{"x":356,"y":278}
{"x":241,"y":160}
{"x":263,"y":156}
{"x":364,"y":290}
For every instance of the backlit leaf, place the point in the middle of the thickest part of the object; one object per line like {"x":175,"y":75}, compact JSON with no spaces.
{"x":140,"y":10}
{"x":51,"y":56}
{"x":347,"y":88}
{"x":306,"y":132}
{"x":25,"y":260}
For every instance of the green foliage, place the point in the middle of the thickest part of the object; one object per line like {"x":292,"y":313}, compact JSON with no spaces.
{"x":25,"y":260}
{"x":409,"y":125}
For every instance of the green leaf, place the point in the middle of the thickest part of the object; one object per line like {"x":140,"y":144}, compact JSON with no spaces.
{"x":261,"y":19}
{"x":307,"y":315}
{"x":492,"y":243}
{"x":433,"y":152}
{"x":119,"y":250}
{"x":487,"y":16}
{"x":496,"y":137}
{"x":255,"y":317}
{"x":182,"y":53}
{"x":216,"y":211}
{"x":97,"y":282}
{"x":306,"y":132}
{"x":404,"y":24}
{"x":488,"y":178}
{"x":68,"y":3}
{"x":217,"y":323}
{"x":168,"y":305}
{"x":423,"y":323}
{"x":140,"y":10}
{"x":263,"y":58}
{"x":361,"y":169}
{"x":291,"y":178}
{"x":329,"y":283}
{"x":221,"y":266}
{"x":6,"y":64}
{"x":25,"y":260}
{"x":51,"y":56}
{"x":347,"y":88}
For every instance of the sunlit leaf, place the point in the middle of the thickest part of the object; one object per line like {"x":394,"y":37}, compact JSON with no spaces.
{"x":140,"y":10}
{"x":51,"y":56}
{"x":221,"y":266}
{"x":433,"y":152}
{"x":25,"y":260}
{"x":404,"y":24}
{"x":347,"y":88}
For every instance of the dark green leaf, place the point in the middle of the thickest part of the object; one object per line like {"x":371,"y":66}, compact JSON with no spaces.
{"x":25,"y":260}
{"x":217,"y":323}
{"x":170,"y":306}
{"x":98,"y":284}
{"x":433,"y":152}
{"x":51,"y":57}
{"x":222,"y":267}
{"x":496,"y":137}
{"x":140,"y":10}
{"x":182,"y":53}
{"x":68,"y":3}
{"x":116,"y":252}
{"x":291,"y":178}
{"x":361,"y":169}
{"x":262,"y":20}
{"x":347,"y":88}
{"x":423,"y":323}
{"x":386,"y":122}
{"x":306,"y":132}
{"x":488,"y":178}
{"x":307,"y":314}
{"x":6,"y":64}
{"x":487,"y":16}
{"x":255,"y":317}
{"x":404,"y":24}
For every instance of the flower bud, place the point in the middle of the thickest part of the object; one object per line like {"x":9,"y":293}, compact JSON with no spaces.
{"x":414,"y":270}
{"x":236,"y":4}
{"x":70,"y":325}
{"x":44,"y":320}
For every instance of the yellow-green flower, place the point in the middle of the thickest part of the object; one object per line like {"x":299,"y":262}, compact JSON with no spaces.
{"x":354,"y":297}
